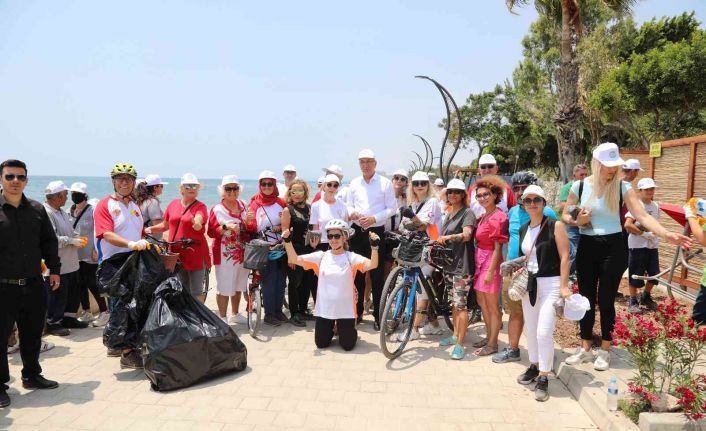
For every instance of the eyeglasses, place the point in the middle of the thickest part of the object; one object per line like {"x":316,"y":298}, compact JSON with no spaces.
{"x":483,"y":195}
{"x":13,"y":177}
{"x":231,"y":188}
{"x":536,"y":201}
{"x":124,"y":178}
{"x":190,"y":186}
{"x":334,"y":185}
{"x":267,"y":184}
{"x":296,"y":192}
{"x":420,"y":183}
{"x":399,"y":178}
{"x":454,"y":192}
{"x":486,"y":166}
{"x":334,"y":236}
{"x":519,"y":188}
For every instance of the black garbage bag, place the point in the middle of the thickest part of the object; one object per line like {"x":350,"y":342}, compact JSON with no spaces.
{"x":130,"y":279}
{"x":184,"y":342}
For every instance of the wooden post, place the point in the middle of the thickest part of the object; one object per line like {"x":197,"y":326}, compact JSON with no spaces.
{"x":692,"y":171}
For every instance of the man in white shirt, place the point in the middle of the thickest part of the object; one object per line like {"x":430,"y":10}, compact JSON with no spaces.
{"x":289,"y":173}
{"x":370,"y":201}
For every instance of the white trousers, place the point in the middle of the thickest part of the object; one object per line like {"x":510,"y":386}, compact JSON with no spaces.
{"x":539,"y":322}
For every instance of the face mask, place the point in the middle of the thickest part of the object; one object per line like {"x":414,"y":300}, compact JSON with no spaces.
{"x":77,"y":198}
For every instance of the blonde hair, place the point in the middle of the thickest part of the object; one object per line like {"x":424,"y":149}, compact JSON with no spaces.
{"x":288,"y":197}
{"x":413,"y":196}
{"x":610,"y":191}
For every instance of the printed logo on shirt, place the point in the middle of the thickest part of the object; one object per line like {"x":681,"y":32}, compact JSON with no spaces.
{"x":134,"y":213}
{"x":116,"y":212}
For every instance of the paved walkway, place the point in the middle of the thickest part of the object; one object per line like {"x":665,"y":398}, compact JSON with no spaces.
{"x":289,"y":384}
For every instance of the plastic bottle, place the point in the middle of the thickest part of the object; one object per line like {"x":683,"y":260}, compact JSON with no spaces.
{"x":613,"y":394}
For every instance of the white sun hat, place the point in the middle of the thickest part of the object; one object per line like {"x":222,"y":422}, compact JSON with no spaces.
{"x":632,"y":164}
{"x":646,"y":183}
{"x":79,"y":188}
{"x":289,"y":168}
{"x":189,"y":178}
{"x":334,"y":169}
{"x":366,"y":154}
{"x":420,"y":176}
{"x":534,"y":190}
{"x":608,"y":154}
{"x":154,"y":180}
{"x":321,"y":180}
{"x":575,"y":307}
{"x":438,"y":182}
{"x":55,"y":187}
{"x":230,"y":179}
{"x":331,"y":178}
{"x":487,"y":159}
{"x":267,"y":174}
{"x":401,"y":173}
{"x":456,"y":184}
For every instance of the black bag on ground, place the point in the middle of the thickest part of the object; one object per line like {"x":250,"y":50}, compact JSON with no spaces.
{"x":256,"y":252}
{"x":130,"y":279}
{"x":184,"y":342}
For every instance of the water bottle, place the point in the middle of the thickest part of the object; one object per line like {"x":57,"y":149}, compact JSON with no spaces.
{"x":613,"y":394}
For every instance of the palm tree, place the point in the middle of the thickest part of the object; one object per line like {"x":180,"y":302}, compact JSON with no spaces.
{"x":568,"y":111}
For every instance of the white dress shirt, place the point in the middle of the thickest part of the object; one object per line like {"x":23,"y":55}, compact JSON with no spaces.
{"x":374,"y":198}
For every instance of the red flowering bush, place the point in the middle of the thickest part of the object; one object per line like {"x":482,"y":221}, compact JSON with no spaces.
{"x":665,"y":350}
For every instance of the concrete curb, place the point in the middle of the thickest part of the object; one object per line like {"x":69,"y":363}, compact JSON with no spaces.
{"x":669,"y":422}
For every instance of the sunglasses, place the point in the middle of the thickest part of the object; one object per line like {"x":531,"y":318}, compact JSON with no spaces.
{"x":535,"y":201}
{"x":486,"y":166}
{"x":296,"y":192}
{"x":399,"y":178}
{"x":158,"y":185}
{"x":267,"y":184}
{"x":420,"y":183}
{"x":190,"y":186}
{"x":334,"y":185}
{"x":454,"y":192}
{"x":13,"y":177}
{"x":334,"y":236}
{"x":483,"y":195}
{"x":231,"y":188}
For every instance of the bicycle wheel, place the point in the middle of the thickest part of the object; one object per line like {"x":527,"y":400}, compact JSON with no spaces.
{"x":393,"y":279}
{"x":445,"y":304}
{"x":397,"y":320}
{"x":254,"y":311}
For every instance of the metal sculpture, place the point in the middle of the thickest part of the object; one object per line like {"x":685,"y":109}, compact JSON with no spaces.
{"x":429,"y":154}
{"x":453,"y":121}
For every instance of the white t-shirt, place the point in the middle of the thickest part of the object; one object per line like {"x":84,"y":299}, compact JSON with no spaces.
{"x":335,"y":294}
{"x":430,"y":213}
{"x":112,"y":215}
{"x":527,"y":242}
{"x":322,"y":212}
{"x":639,"y":241}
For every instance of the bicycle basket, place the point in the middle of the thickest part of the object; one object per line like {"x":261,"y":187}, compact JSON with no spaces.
{"x":169,"y":260}
{"x":411,"y":251}
{"x":256,"y":253}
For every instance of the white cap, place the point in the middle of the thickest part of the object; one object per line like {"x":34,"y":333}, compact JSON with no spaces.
{"x":154,"y":180}
{"x":438,"y":182}
{"x":267,"y":174}
{"x":487,"y":159}
{"x":534,"y":190}
{"x":79,"y":188}
{"x":646,"y":183}
{"x":575,"y":307}
{"x":189,"y":178}
{"x":632,"y":164}
{"x":456,"y":184}
{"x":289,"y":168}
{"x":321,"y":180}
{"x":55,"y":187}
{"x":401,"y":173}
{"x":420,"y":176}
{"x":331,"y":178}
{"x":334,"y":169}
{"x":366,"y":154}
{"x":229,"y":179}
{"x":608,"y":154}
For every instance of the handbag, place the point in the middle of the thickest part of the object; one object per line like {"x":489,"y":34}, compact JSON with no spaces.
{"x":520,"y":278}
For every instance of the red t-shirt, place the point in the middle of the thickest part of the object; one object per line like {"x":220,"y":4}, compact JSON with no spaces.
{"x":196,"y":256}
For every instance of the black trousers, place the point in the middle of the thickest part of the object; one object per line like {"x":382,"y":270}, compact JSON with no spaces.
{"x":360,"y":243}
{"x":600,"y":261}
{"x":26,"y":305}
{"x":65,"y":300}
{"x":87,"y":283}
{"x":347,"y":334}
{"x":299,"y":288}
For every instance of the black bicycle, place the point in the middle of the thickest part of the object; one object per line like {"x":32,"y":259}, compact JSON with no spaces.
{"x":171,"y":260}
{"x":398,"y":297}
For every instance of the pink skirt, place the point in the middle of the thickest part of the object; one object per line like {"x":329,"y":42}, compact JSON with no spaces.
{"x":483,"y":260}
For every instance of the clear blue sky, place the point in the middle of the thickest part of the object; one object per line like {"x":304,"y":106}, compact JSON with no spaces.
{"x":218,"y":87}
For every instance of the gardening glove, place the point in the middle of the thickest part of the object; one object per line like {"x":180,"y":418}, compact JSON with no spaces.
{"x":79,"y":242}
{"x":407,"y":212}
{"x":138,"y":245}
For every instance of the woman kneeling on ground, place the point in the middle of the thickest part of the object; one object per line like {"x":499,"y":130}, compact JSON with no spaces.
{"x":336,"y":293}
{"x":545,"y":244}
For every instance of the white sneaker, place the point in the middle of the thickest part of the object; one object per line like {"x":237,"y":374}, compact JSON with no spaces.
{"x":602,"y":362}
{"x":414,"y":335}
{"x":239,"y":318}
{"x":101,"y":320}
{"x":13,"y":349}
{"x":46,"y":345}
{"x":430,"y":329}
{"x":579,"y":357}
{"x":86,"y":316}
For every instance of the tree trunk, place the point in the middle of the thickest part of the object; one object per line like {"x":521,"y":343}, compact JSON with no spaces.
{"x":568,"y":109}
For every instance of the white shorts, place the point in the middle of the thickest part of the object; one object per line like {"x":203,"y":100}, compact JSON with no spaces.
{"x":231,"y":278}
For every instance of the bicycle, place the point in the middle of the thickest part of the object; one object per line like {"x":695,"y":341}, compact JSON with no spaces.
{"x":398,"y":298}
{"x":170,"y":259}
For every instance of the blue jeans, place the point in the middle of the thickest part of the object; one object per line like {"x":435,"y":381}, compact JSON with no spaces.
{"x":574,"y":235}
{"x":699,"y":314}
{"x":273,"y":285}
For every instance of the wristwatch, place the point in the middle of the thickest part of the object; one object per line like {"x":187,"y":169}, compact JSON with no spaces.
{"x":223,"y":226}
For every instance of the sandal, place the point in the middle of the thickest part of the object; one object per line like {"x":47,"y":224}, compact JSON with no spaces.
{"x":481,"y":343}
{"x":486,"y":350}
